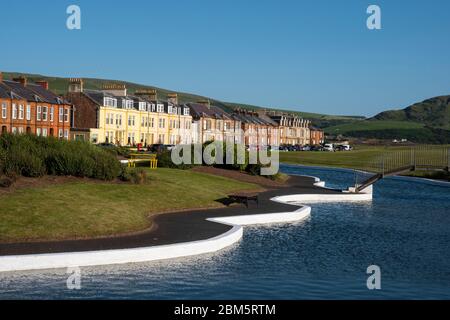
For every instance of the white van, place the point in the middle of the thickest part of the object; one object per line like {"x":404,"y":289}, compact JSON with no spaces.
{"x":328,"y":147}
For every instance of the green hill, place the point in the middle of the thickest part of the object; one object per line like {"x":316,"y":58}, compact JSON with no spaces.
{"x":59,"y":85}
{"x":434,"y":113}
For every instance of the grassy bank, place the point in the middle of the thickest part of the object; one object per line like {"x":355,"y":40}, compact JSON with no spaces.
{"x":94,"y":208}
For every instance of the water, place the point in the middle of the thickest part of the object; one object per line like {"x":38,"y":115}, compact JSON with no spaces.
{"x":405,"y":230}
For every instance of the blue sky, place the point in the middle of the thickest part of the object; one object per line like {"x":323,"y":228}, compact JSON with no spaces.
{"x":315,"y":56}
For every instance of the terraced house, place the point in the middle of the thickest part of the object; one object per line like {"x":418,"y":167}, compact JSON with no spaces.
{"x":258,"y":129}
{"x":211,"y":123}
{"x":33,"y":108}
{"x":111,"y":115}
{"x":293,"y":130}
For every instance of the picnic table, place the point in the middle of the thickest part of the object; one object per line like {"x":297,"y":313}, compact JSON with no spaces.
{"x":139,"y":157}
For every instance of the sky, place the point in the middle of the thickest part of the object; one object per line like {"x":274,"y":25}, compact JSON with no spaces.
{"x":316,"y":56}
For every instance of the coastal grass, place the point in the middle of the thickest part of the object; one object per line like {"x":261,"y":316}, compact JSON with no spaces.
{"x":85,"y":209}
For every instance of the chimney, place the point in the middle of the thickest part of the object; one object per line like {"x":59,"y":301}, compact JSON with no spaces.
{"x":43,"y":84}
{"x":205,"y":102}
{"x":75,"y":85}
{"x":22,"y":80}
{"x":116,"y":89}
{"x":149,"y":94}
{"x":172,"y":98}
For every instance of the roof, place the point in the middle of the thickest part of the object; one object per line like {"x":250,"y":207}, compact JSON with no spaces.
{"x":200,"y":110}
{"x":31,"y":92}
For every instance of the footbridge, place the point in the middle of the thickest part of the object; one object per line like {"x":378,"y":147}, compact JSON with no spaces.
{"x":430,"y":158}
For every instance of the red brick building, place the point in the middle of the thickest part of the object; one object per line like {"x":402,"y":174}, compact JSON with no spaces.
{"x":33,"y":108}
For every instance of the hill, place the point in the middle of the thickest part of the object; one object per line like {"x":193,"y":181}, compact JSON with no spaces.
{"x":424,"y":122}
{"x":434,"y":112}
{"x":59,"y":85}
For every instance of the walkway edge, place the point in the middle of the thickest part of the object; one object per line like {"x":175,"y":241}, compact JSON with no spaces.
{"x":153,"y":253}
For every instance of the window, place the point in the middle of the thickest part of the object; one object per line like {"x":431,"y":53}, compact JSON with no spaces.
{"x":61,"y":114}
{"x":207,"y":125}
{"x":60,"y":133}
{"x":66,"y":115}
{"x":129,"y":120}
{"x":66,"y":134}
{"x":44,"y":113}
{"x":142,"y":106}
{"x":162,"y":123}
{"x":38,"y":131}
{"x":28,"y":112}
{"x":170,"y":109}
{"x":152,"y":122}
{"x":14,"y":111}
{"x":39,"y":113}
{"x":110,"y":102}
{"x":107,"y":118}
{"x":161,"y":138}
{"x":186,"y":111}
{"x":160,"y":108}
{"x":21,"y":114}
{"x":44,"y":132}
{"x":21,"y":130}
{"x":52,"y":110}
{"x":4,"y":110}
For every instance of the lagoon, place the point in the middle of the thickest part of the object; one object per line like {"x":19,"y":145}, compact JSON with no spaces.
{"x":405,"y":230}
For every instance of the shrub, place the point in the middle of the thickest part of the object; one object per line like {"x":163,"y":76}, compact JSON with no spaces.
{"x":165,"y":161}
{"x":134,"y":175}
{"x":34,"y":156}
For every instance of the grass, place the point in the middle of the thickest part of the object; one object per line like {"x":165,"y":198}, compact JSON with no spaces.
{"x":368,"y":125}
{"x":362,"y":157}
{"x":91,"y":209}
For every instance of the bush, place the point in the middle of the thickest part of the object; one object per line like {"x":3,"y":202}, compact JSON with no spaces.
{"x":165,"y":161}
{"x":134,"y":175}
{"x":33,"y":156}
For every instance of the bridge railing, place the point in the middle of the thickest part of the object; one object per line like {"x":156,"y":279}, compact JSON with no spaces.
{"x":394,"y":161}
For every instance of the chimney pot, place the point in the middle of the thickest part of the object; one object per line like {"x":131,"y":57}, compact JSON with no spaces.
{"x":43,"y":84}
{"x":22,"y":80}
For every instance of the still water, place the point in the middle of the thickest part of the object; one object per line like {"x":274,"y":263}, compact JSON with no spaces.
{"x":405,"y":230}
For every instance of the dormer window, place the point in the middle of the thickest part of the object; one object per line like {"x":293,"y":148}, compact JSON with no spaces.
{"x":142,"y":106}
{"x":170,"y":109}
{"x":129,"y":104}
{"x":110,"y":102}
{"x":160,"y":108}
{"x":186,"y":111}
{"x":152,"y":107}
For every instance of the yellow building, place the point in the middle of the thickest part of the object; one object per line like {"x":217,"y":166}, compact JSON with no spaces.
{"x":112,"y":116}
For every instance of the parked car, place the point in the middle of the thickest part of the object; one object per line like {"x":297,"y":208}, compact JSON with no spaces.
{"x":156,"y":148}
{"x":328,"y":147}
{"x":343,"y":147}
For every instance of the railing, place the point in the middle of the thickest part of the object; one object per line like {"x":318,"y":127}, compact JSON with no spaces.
{"x":396,"y":161}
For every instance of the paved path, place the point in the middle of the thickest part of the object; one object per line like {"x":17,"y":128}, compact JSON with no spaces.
{"x":175,"y":227}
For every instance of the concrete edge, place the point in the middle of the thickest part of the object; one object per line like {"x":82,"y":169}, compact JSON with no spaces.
{"x":153,"y":253}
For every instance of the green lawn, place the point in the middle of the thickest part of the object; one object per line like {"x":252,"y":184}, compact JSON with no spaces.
{"x":90,"y":209}
{"x":368,"y":125}
{"x":360,"y":158}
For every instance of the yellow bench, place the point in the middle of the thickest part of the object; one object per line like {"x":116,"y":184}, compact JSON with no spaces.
{"x":141,"y":157}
